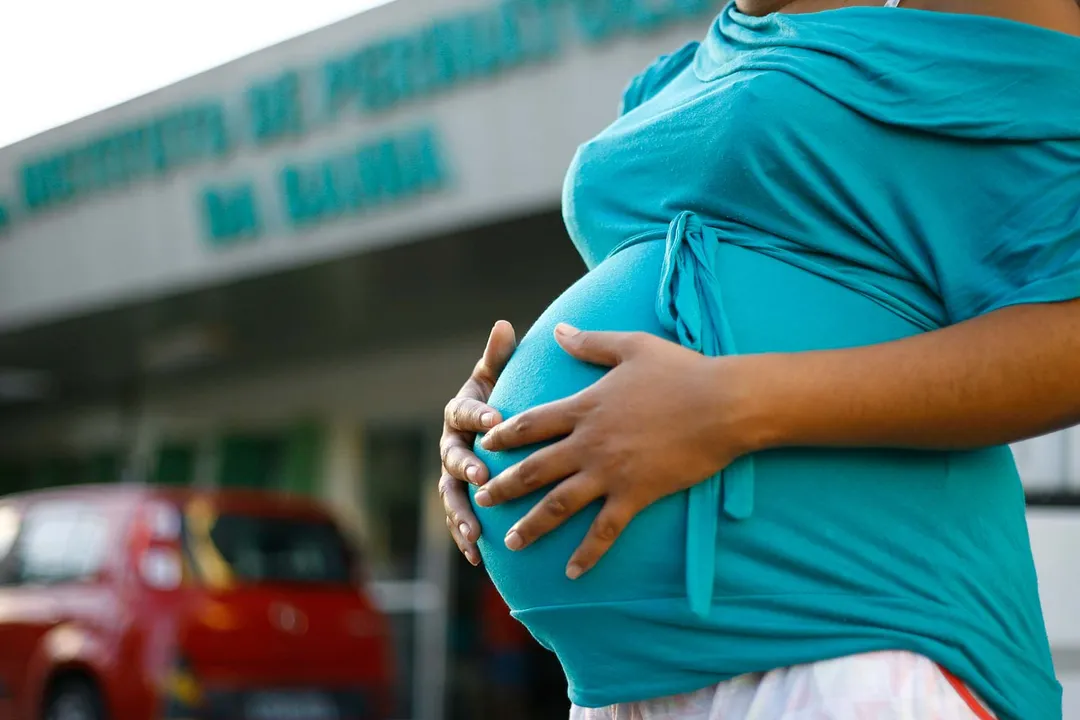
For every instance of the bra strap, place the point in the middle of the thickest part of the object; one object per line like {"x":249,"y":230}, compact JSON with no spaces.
{"x":892,"y":3}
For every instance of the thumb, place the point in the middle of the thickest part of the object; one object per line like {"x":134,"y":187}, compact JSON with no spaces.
{"x":500,"y":346}
{"x":598,"y":348}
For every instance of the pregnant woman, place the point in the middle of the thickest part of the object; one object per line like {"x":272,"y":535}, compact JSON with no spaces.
{"x":754,"y":463}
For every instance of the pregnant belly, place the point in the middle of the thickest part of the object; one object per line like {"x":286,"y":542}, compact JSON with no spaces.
{"x":771,"y":306}
{"x":619,"y":294}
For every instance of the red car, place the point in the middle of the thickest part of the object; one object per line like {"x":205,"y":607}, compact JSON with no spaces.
{"x":130,"y":602}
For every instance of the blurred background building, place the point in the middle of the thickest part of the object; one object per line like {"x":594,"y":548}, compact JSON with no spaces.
{"x":274,"y":275}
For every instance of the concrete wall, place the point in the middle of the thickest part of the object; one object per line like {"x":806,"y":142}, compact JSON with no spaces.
{"x":1055,"y":540}
{"x":1051,"y":463}
{"x":115,"y":207}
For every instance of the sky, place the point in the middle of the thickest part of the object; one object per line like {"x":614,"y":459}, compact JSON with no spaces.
{"x":64,"y":59}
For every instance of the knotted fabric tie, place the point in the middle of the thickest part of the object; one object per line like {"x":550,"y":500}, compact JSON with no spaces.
{"x":690,"y":308}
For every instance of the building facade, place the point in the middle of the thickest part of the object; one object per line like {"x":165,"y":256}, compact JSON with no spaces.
{"x":275,"y":273}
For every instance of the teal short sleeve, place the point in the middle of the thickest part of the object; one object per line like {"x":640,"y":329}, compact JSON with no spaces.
{"x":649,"y":82}
{"x":1030,"y":249}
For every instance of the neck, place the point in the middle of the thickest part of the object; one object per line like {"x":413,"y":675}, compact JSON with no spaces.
{"x":760,"y":7}
{"x":764,"y":7}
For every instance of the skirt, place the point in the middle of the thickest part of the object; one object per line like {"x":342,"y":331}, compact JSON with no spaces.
{"x":891,"y":685}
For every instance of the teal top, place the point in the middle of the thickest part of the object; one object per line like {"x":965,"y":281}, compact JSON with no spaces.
{"x":791,"y":183}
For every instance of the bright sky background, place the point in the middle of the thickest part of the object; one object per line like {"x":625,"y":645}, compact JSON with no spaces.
{"x":63,"y":59}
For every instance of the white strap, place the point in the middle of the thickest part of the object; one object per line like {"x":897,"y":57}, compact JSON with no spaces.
{"x":892,"y":3}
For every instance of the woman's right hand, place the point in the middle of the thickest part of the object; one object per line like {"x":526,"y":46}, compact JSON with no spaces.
{"x":464,"y":417}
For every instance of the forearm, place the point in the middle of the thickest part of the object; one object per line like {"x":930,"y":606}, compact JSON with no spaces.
{"x":996,"y":379}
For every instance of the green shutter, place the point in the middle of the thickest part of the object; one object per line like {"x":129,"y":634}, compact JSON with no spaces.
{"x":59,"y":471}
{"x":105,"y":467}
{"x":301,"y":471}
{"x":14,"y":477}
{"x":97,"y":469}
{"x":55,"y":472}
{"x":174,"y":465}
{"x":250,"y":461}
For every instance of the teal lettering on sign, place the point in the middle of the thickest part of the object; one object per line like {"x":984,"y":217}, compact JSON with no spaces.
{"x":383,"y":172}
{"x":231,"y":214}
{"x":121,"y":157}
{"x":275,"y":108}
{"x":596,"y":18}
{"x":539,"y":25}
{"x":442,"y":54}
{"x":478,"y":44}
{"x":449,"y":51}
{"x":599,"y":20}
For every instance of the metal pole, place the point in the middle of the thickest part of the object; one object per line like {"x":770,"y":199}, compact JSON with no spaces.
{"x":430,"y":691}
{"x":142,"y":435}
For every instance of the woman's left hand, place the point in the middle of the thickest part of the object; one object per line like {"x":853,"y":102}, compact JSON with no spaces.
{"x":662,"y":420}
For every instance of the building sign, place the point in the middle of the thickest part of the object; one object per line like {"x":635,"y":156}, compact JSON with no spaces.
{"x":443,"y":54}
{"x":370,"y":176}
{"x":125,"y":156}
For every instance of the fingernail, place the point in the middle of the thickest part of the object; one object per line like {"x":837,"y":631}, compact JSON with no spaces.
{"x":574,"y":571}
{"x":464,"y":529}
{"x":485,"y":442}
{"x":565,"y":330}
{"x":513,"y":541}
{"x":472,"y":472}
{"x":471,"y":557}
{"x":483,"y":498}
{"x":487,"y":419}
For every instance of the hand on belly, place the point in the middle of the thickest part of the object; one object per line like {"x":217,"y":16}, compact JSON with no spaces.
{"x":591,"y":453}
{"x":657,"y":423}
{"x":639,"y":439}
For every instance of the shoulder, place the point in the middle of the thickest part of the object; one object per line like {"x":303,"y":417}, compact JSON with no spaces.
{"x":1061,"y":16}
{"x":656,"y":76}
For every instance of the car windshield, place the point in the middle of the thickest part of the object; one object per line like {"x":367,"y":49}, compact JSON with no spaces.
{"x":260,"y":549}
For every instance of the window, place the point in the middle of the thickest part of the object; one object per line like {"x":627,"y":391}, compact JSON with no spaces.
{"x":61,"y":543}
{"x":286,"y":550}
{"x":9,"y":530}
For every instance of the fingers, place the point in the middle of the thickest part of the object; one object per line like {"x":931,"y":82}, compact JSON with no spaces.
{"x":543,"y":467}
{"x":467,"y":412}
{"x":606,"y":529}
{"x":459,"y":461}
{"x":599,"y":348}
{"x":462,"y":545}
{"x":464,"y":417}
{"x":544,"y":422}
{"x":468,"y":415}
{"x":460,"y":520}
{"x":500,"y":346}
{"x":567,"y":499}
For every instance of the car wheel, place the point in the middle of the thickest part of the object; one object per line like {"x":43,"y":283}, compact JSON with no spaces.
{"x":74,"y":700}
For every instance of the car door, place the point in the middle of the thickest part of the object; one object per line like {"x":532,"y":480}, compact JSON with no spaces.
{"x":9,"y":531}
{"x":40,"y":558}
